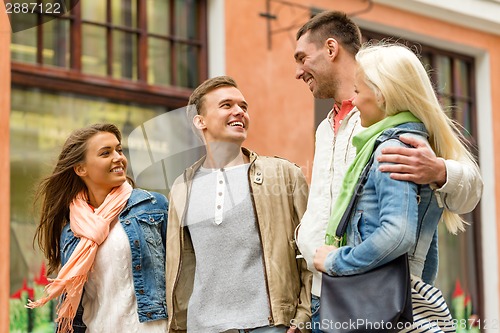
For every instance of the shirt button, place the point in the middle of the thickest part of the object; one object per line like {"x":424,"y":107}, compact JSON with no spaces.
{"x":136,"y":242}
{"x":138,"y":267}
{"x":257,"y":179}
{"x":149,"y":315}
{"x":259,"y":173}
{"x":221,"y":182}
{"x":218,"y":207}
{"x":220,"y":193}
{"x":127,"y":222}
{"x":141,"y":292}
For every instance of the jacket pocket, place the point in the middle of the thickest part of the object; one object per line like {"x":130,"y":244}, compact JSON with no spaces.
{"x":151,"y":226}
{"x":355,"y":228}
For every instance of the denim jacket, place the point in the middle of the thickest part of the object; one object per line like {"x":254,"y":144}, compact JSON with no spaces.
{"x":144,"y":220}
{"x":391,"y":218}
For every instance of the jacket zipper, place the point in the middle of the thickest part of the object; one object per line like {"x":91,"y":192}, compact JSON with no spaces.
{"x":270,"y":318}
{"x":350,"y":140}
{"x":332,"y":173}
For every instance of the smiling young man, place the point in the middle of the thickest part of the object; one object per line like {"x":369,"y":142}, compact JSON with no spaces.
{"x":232,"y":261}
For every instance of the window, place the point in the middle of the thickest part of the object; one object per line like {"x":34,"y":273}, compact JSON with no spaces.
{"x":453,"y":78}
{"x":142,"y":50}
{"x":118,"y":61}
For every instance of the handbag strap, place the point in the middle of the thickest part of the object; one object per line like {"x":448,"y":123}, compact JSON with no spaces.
{"x":358,"y":190}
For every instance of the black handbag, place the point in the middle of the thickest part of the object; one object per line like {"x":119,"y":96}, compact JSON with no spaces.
{"x":376,"y":301}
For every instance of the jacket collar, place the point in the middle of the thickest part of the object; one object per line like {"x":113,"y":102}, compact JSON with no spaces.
{"x":137,"y":196}
{"x":414,"y":128}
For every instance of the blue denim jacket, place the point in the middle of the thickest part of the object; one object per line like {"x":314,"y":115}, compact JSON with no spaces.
{"x":389,"y":220}
{"x":144,"y":220}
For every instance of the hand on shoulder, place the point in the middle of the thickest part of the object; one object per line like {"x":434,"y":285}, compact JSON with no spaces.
{"x":418,"y":164}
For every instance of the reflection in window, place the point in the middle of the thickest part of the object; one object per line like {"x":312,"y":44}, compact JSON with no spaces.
{"x":94,"y":50}
{"x":56,"y":43}
{"x":124,"y":13}
{"x":462,"y":89}
{"x":186,"y":55}
{"x":139,"y":40}
{"x":185,"y":11}
{"x":124,"y":55}
{"x":159,"y":57}
{"x":158,"y":17}
{"x":444,"y":81}
{"x":24,"y":47}
{"x":94,"y":11}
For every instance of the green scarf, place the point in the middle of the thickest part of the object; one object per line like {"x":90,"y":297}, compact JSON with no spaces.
{"x":364,"y":143}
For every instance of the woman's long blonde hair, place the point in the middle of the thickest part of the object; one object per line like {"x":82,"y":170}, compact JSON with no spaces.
{"x":396,"y":74}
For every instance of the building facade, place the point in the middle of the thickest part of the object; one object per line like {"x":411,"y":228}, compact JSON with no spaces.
{"x":461,"y":48}
{"x":129,"y":62}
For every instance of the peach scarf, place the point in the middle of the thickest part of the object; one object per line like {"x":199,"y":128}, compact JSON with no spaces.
{"x":92,"y":227}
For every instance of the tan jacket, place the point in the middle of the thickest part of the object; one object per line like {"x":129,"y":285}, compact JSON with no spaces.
{"x":279,"y":192}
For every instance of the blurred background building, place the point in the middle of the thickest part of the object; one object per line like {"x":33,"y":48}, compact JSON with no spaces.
{"x":130,"y":61}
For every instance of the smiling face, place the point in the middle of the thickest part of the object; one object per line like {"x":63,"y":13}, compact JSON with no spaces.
{"x":105,"y":166}
{"x":314,"y":67}
{"x":366,"y":101}
{"x":224,"y":116}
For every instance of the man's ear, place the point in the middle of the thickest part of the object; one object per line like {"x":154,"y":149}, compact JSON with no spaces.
{"x":80,"y":170}
{"x":199,"y":122}
{"x":333,"y":47}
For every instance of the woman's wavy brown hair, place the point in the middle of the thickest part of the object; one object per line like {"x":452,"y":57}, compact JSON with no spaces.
{"x":56,"y":192}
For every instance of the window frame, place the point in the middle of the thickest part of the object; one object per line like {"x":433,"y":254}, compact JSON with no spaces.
{"x":73,"y":80}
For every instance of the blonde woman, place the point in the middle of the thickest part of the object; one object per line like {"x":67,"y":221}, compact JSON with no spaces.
{"x":395,"y":97}
{"x":106,"y":238}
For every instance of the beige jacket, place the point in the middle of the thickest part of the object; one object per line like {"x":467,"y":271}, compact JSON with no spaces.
{"x":279,"y":193}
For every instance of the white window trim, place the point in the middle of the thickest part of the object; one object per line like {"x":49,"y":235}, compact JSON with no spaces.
{"x":482,"y":15}
{"x":488,"y":201}
{"x":216,"y":38}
